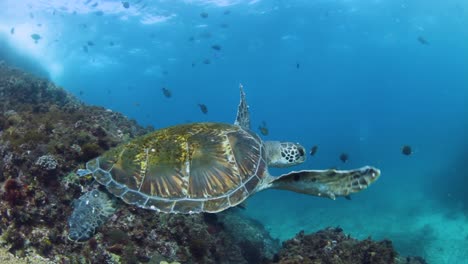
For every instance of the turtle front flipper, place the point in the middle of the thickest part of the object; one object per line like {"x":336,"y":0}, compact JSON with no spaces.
{"x":243,"y":115}
{"x":326,"y":183}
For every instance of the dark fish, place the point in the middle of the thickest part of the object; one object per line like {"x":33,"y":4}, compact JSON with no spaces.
{"x":95,"y":4}
{"x":81,"y":92}
{"x":216,"y":47}
{"x":227,"y":12}
{"x":406,"y":150}
{"x":203,"y":108}
{"x":313,"y":150}
{"x":85,"y":48}
{"x":111,"y":43}
{"x":423,"y":41}
{"x":12,"y":30}
{"x":224,"y":25}
{"x":90,"y":43}
{"x":191,"y":39}
{"x":263,"y":128}
{"x":348,"y":197}
{"x":193,"y":64}
{"x":204,"y":14}
{"x":344,"y":157}
{"x":207,"y":61}
{"x":36,"y":37}
{"x":126,"y":4}
{"x":298,"y":65}
{"x":166,"y":92}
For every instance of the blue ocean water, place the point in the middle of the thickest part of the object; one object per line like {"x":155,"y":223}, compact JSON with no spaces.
{"x":356,"y":77}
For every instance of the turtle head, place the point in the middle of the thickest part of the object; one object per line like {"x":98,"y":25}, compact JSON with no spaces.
{"x":284,"y":154}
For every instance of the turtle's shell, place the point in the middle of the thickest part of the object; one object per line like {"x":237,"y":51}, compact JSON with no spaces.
{"x":191,"y":168}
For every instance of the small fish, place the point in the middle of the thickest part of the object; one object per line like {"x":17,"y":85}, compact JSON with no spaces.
{"x":31,"y":15}
{"x":191,"y":39}
{"x":203,"y":108}
{"x":167,"y":93}
{"x":344,"y":157}
{"x":85,"y":48}
{"x":313,"y":150}
{"x":423,"y":41}
{"x":406,"y":150}
{"x":207,"y":61}
{"x":204,"y":14}
{"x":193,"y":64}
{"x":263,"y":128}
{"x":81,"y":92}
{"x":12,"y":30}
{"x":111,"y":43}
{"x":39,"y":24}
{"x":224,"y":25}
{"x":90,"y":43}
{"x":348,"y":197}
{"x":126,"y":4}
{"x":36,"y":37}
{"x":227,"y":12}
{"x":216,"y":47}
{"x":95,"y":4}
{"x":298,"y":65}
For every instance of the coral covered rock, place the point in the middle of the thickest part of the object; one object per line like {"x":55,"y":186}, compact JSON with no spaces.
{"x":332,"y":246}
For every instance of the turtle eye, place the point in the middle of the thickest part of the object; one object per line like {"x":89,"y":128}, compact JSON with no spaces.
{"x":301,"y":151}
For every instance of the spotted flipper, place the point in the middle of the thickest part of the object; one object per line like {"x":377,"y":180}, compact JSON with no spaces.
{"x":243,"y":115}
{"x":326,"y":183}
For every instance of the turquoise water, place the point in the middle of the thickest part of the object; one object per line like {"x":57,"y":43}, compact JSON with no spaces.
{"x":360,"y":77}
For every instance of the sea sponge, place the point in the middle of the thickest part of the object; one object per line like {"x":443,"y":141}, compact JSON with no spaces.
{"x":91,"y":210}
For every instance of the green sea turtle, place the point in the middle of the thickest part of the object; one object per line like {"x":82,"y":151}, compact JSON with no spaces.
{"x":203,"y":167}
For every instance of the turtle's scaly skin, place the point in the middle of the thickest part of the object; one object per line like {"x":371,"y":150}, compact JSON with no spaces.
{"x":190,"y":168}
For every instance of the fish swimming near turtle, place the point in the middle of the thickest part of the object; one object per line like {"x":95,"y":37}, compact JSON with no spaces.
{"x":216,"y":47}
{"x":423,"y":41}
{"x":344,"y":157}
{"x":203,"y":108}
{"x":263,"y":128}
{"x":201,"y":167}
{"x":166,"y":92}
{"x":36,"y":37}
{"x":406,"y":150}
{"x":313,"y":150}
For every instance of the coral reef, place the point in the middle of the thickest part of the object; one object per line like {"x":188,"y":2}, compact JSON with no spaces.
{"x":333,"y":246}
{"x":46,"y":134}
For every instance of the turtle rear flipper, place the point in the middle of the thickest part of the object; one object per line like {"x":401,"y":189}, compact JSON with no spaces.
{"x":327,"y":183}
